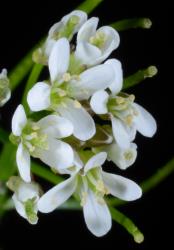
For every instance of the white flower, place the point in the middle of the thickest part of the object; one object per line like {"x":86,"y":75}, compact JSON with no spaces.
{"x":127,"y":117}
{"x":91,"y":184}
{"x":94,"y":46}
{"x":40,"y":139}
{"x":25,"y":198}
{"x":66,"y":27}
{"x":122,"y":157}
{"x":65,"y":90}
{"x":5,"y":92}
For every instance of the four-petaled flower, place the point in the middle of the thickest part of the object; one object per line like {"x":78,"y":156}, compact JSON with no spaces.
{"x":90,"y":184}
{"x":40,"y":140}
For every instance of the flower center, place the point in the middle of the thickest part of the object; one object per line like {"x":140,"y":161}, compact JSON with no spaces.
{"x":122,"y":108}
{"x":29,"y":206}
{"x":66,"y":30}
{"x":98,"y":40}
{"x":33,"y":138}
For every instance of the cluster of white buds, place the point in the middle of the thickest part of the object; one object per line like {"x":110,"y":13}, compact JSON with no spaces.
{"x":80,"y":89}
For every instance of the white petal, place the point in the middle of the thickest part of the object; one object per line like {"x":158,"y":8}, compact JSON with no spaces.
{"x":55,"y":28}
{"x":121,"y":187}
{"x":131,"y":130}
{"x":118,"y":155}
{"x":95,"y":161}
{"x":59,"y":59}
{"x":120,"y":134}
{"x":87,"y":30}
{"x":27,"y":191}
{"x":19,"y":120}
{"x":112,"y":41}
{"x":117,"y":83}
{"x":81,"y":14}
{"x":84,"y":126}
{"x":96,"y":78}
{"x":57,"y":195}
{"x":99,"y":102}
{"x":87,"y":53}
{"x":49,"y":44}
{"x":97,"y":216}
{"x":38,"y":97}
{"x":19,"y":207}
{"x":144,"y":121}
{"x":23,"y":163}
{"x":59,"y":154}
{"x":56,"y":126}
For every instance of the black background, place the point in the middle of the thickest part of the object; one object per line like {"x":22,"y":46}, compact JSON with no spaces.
{"x":21,"y":26}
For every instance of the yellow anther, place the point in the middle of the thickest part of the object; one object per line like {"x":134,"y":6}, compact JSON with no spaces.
{"x":34,"y":135}
{"x":92,"y":39}
{"x":77,"y":104}
{"x":66,"y":77}
{"x":128,"y":155}
{"x":35,"y":127}
{"x":62,"y":92}
{"x":129,"y":119}
{"x":132,"y":98}
{"x":120,"y":100}
{"x":101,"y":189}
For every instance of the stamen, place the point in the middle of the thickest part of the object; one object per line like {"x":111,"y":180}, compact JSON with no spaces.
{"x":66,"y":77}
{"x":129,"y":119}
{"x":128,"y":155}
{"x":84,"y":198}
{"x":77,"y":104}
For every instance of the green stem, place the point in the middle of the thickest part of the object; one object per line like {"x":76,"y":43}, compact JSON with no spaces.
{"x":37,"y":68}
{"x":157,"y":178}
{"x":151,"y":182}
{"x":133,"y":23}
{"x":127,"y":224}
{"x":3,"y":136}
{"x":45,"y":173}
{"x":139,"y":76}
{"x":89,"y":5}
{"x":21,"y":70}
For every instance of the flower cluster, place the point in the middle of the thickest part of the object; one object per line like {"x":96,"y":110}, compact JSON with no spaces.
{"x":89,"y":120}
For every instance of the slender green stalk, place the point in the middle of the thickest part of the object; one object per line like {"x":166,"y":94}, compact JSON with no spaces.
{"x":158,"y":177}
{"x":133,"y":23}
{"x":128,"y":224}
{"x":45,"y":173}
{"x":7,"y":161}
{"x":37,"y":68}
{"x":139,"y":76}
{"x":151,"y":182}
{"x":89,"y":5}
{"x":21,"y":70}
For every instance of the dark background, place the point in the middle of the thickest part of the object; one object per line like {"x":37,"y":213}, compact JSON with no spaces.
{"x":22,"y":25}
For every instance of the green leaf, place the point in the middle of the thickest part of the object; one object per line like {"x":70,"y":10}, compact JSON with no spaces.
{"x":133,"y":23}
{"x":128,"y":224}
